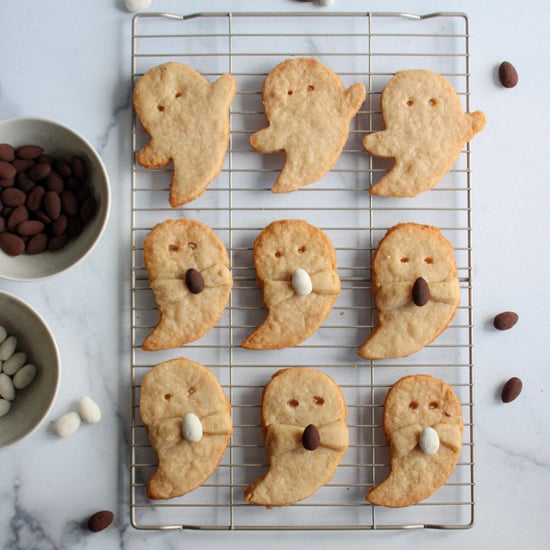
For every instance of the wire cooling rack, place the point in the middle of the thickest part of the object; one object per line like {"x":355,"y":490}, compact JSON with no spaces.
{"x":360,"y":47}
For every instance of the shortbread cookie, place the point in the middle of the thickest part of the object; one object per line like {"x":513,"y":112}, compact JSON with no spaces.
{"x":425,"y":132}
{"x":188,"y":421}
{"x":423,"y":428}
{"x":187,"y":119}
{"x":416,"y":289}
{"x":296,"y":268}
{"x":188,"y":269}
{"x":305,"y":435}
{"x":309,"y":113}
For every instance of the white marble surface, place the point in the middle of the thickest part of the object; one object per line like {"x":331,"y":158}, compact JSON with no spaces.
{"x":70,"y":60}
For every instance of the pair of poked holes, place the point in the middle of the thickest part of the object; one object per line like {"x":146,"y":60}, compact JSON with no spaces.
{"x":310,"y":88}
{"x":431,"y":102}
{"x":190,"y":391}
{"x":316,"y":399}
{"x":301,"y":250}
{"x":160,"y":107}
{"x":175,"y":247}
{"x":426,"y":260}
{"x":414,"y":405}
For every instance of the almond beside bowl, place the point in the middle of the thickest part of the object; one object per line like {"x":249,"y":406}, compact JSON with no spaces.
{"x":63,"y":143}
{"x":31,"y":404}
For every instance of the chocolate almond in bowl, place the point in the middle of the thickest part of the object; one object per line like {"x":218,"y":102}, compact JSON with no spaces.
{"x":43,"y":209}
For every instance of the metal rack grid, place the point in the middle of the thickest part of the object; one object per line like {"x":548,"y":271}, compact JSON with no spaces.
{"x":366,"y":47}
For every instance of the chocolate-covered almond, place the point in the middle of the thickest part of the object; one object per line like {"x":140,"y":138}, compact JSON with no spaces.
{"x":100,"y":520}
{"x":39,"y":171}
{"x":7,"y":152}
{"x":421,"y":292}
{"x":11,"y":196}
{"x":7,"y":170}
{"x":18,"y":215}
{"x":505,"y":320}
{"x":507,"y":74}
{"x":194,"y":281}
{"x":12,"y":244}
{"x":311,"y":438}
{"x":28,"y":152}
{"x":52,"y":204}
{"x":511,"y":389}
{"x":29,"y":228}
{"x":37,"y":244}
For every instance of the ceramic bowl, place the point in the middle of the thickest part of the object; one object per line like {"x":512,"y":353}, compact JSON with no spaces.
{"x":60,"y":142}
{"x":32,"y":403}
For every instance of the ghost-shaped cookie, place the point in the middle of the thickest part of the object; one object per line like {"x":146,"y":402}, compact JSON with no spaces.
{"x":188,"y":420}
{"x":295,"y":266}
{"x":415,"y":407}
{"x":309,"y":113}
{"x":188,"y":270}
{"x":305,"y":435}
{"x":416,"y":290}
{"x":425,"y":130}
{"x":187,"y":119}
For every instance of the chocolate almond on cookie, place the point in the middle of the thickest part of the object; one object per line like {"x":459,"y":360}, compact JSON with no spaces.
{"x":425,"y":132}
{"x":305,"y":435}
{"x":416,"y":290}
{"x":423,"y":427}
{"x":188,"y":269}
{"x":309,"y":113}
{"x":188,"y":421}
{"x":187,"y":119}
{"x":295,"y":266}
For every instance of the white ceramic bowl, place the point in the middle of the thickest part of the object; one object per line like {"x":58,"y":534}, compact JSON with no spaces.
{"x":60,"y":142}
{"x":33,"y":403}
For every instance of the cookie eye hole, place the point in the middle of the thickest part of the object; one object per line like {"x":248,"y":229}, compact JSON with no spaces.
{"x":433,"y":405}
{"x":447,"y":414}
{"x":310,"y":88}
{"x":160,"y":108}
{"x":278,"y":254}
{"x":410,"y":103}
{"x":293,"y":403}
{"x":404,"y":260}
{"x":173,"y":247}
{"x":413,"y":405}
{"x":302,"y":249}
{"x":178,"y":95}
{"x":318,"y":400}
{"x":429,"y":261}
{"x":167,"y":396}
{"x":290,"y":92}
{"x":432,"y":102}
{"x":191,"y":390}
{"x":192,"y":246}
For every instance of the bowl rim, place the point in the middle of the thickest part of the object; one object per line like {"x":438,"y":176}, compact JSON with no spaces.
{"x":21,"y":303}
{"x":107,"y":200}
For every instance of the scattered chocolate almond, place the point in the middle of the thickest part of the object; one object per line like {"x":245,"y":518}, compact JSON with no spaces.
{"x":505,"y":320}
{"x":100,"y":520}
{"x":511,"y":389}
{"x":507,"y":74}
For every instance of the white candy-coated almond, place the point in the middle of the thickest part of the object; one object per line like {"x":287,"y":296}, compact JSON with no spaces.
{"x":137,"y":5}
{"x":67,"y":424}
{"x":14,"y":363}
{"x":301,"y":282}
{"x":7,"y":348}
{"x":428,"y":441}
{"x":5,"y":406}
{"x":7,"y":390}
{"x":3,"y":334}
{"x":191,"y":428}
{"x":89,"y":410}
{"x":24,"y":376}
